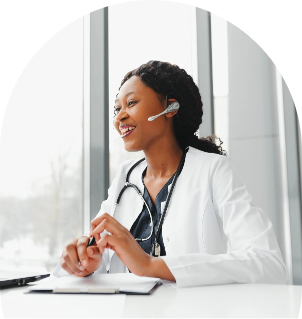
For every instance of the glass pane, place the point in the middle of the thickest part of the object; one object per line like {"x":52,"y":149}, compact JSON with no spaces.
{"x":220,"y":79}
{"x":41,"y":156}
{"x":156,"y":35}
{"x":299,"y":116}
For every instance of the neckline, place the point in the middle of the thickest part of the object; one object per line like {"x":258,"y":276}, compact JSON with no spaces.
{"x":186,"y":150}
{"x":161,"y":190}
{"x":170,"y":179}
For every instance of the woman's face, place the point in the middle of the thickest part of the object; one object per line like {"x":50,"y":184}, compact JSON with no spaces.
{"x":135,"y":103}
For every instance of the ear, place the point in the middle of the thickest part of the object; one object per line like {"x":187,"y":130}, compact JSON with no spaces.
{"x":170,"y":114}
{"x":170,"y":101}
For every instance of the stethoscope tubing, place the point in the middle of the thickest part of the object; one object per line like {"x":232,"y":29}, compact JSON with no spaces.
{"x":128,"y":184}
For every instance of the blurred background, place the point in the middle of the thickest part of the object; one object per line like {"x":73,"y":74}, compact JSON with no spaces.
{"x":59,"y":151}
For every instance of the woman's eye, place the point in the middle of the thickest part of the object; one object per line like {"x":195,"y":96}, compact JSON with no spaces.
{"x":116,"y":110}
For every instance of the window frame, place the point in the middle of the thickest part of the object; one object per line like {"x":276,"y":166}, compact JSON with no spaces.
{"x":96,"y":113}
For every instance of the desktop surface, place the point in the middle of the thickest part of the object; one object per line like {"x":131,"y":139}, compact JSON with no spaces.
{"x":237,"y":300}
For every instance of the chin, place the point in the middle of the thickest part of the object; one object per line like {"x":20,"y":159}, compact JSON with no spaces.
{"x":132,"y":148}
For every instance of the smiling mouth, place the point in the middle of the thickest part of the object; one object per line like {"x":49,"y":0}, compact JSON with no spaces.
{"x":127,"y":130}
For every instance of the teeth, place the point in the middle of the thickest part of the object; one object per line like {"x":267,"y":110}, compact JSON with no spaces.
{"x":130,"y":128}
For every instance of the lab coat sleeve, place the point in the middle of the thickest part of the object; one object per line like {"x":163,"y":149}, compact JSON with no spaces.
{"x":253,"y":254}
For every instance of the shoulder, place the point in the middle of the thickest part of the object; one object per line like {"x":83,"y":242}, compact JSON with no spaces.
{"x":208,"y":164}
{"x":205,"y":158}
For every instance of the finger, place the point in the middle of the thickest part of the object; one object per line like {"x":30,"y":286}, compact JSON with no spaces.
{"x":96,"y":236}
{"x":94,"y":253}
{"x":92,"y":227}
{"x":82,"y":251}
{"x":67,"y":265}
{"x":109,"y":225}
{"x":82,"y":273}
{"x":107,"y":241}
{"x":73,"y":258}
{"x":96,"y":221}
{"x":66,"y":268}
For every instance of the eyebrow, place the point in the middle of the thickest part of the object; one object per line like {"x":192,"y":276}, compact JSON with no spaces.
{"x":125,"y":95}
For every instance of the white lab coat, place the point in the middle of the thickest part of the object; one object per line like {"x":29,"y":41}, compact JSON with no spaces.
{"x":213,"y":232}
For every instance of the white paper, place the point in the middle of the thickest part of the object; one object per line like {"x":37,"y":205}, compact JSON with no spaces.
{"x":123,"y":282}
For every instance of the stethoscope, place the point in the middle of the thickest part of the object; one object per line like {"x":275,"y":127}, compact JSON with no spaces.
{"x":155,"y":249}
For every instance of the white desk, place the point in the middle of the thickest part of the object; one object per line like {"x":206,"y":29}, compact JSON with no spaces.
{"x":245,"y":300}
{"x":218,"y":301}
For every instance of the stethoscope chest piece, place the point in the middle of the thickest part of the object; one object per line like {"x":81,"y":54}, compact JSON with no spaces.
{"x":155,"y":251}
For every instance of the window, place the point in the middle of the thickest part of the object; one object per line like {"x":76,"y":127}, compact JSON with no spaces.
{"x":220,"y":79}
{"x":144,"y":37}
{"x":41,"y":156}
{"x":299,"y":153}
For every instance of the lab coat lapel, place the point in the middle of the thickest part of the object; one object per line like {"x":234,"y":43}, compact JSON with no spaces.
{"x":179,"y":192}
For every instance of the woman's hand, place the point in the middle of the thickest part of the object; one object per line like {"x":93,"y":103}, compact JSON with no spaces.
{"x":122,"y":242}
{"x":78,"y":259}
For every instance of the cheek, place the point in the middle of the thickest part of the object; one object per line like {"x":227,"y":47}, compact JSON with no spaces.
{"x":142,"y":117}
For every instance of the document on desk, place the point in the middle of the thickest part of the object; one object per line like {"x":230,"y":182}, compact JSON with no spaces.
{"x":97,"y":284}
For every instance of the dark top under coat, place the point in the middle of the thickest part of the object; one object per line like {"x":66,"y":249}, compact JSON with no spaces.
{"x":142,"y":226}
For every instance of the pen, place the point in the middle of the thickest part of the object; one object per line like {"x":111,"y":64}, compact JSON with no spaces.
{"x":91,"y":241}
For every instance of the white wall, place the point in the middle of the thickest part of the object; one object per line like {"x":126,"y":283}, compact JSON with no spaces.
{"x":293,"y":172}
{"x":253,"y":124}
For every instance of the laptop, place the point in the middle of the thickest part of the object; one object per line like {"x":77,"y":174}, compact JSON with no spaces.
{"x":15,"y":279}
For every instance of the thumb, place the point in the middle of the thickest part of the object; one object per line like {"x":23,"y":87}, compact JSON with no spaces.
{"x":94,"y":253}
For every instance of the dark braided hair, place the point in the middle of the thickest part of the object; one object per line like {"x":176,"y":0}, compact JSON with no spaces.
{"x":169,"y":80}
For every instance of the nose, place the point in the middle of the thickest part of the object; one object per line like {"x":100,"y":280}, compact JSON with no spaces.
{"x":122,"y":115}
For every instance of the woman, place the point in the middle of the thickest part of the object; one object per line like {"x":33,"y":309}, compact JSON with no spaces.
{"x":211,"y":233}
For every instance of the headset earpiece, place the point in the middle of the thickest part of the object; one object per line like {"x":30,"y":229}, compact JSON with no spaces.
{"x":171,"y":108}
